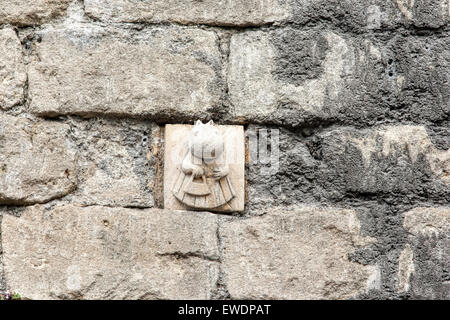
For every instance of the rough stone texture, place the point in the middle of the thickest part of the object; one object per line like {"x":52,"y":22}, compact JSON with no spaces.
{"x":164,"y":72}
{"x":110,"y":253}
{"x":425,"y":13}
{"x":359,"y":91}
{"x":357,"y":16}
{"x":2,"y":276}
{"x":429,"y":238}
{"x":395,"y":159}
{"x":353,"y":15}
{"x":257,"y":94}
{"x":31,"y":12}
{"x":427,"y":221}
{"x":292,"y":77}
{"x":405,"y":268}
{"x":37,"y":159}
{"x":211,"y":12}
{"x":114,"y":163}
{"x":12,"y":69}
{"x":295,"y":253}
{"x":389,"y":161}
{"x":285,"y":182}
{"x":401,"y":79}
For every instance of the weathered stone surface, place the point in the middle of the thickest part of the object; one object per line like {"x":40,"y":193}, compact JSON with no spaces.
{"x":404,"y":78}
{"x":212,"y":12}
{"x":2,"y":276}
{"x":428,"y":274}
{"x":352,"y":15}
{"x":359,"y":91}
{"x":255,"y":90}
{"x":405,"y":268}
{"x":425,"y":13}
{"x":12,"y":69}
{"x":110,"y":253}
{"x":427,"y":221}
{"x":355,"y":15}
{"x":31,"y":12}
{"x":386,"y":161}
{"x":285,"y":179}
{"x":114,"y":163}
{"x":295,"y":253}
{"x":37,"y":161}
{"x":292,"y":77}
{"x":393,"y":159}
{"x":164,"y":72}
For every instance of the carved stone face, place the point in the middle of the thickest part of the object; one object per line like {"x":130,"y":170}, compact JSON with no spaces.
{"x":200,"y":174}
{"x":206,"y":142}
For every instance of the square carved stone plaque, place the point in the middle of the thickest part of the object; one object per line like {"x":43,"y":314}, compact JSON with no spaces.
{"x":204,"y":167}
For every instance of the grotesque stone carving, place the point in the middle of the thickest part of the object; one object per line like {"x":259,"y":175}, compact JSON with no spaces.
{"x":203,"y":181}
{"x":204,"y":167}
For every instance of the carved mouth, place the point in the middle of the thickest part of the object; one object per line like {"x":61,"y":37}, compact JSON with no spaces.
{"x":208,"y":160}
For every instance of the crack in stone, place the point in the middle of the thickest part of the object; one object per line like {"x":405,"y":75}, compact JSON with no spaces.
{"x":187,"y":255}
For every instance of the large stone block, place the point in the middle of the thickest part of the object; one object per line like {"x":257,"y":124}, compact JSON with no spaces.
{"x":403,"y":78}
{"x":37,"y":161}
{"x":31,"y":12}
{"x":163,"y":72}
{"x":295,"y":253}
{"x":110,"y":253}
{"x":114,"y":163}
{"x":332,"y":164}
{"x":281,"y":170}
{"x":296,"y":89}
{"x":12,"y":69}
{"x":392,"y":159}
{"x":211,"y":12}
{"x":356,"y":15}
{"x":351,"y":15}
{"x":292,"y":77}
{"x":425,"y":262}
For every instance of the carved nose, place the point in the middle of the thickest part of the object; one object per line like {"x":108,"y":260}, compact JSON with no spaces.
{"x":209,"y":154}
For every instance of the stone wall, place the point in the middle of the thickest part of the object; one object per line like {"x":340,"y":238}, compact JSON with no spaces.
{"x":359,"y":206}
